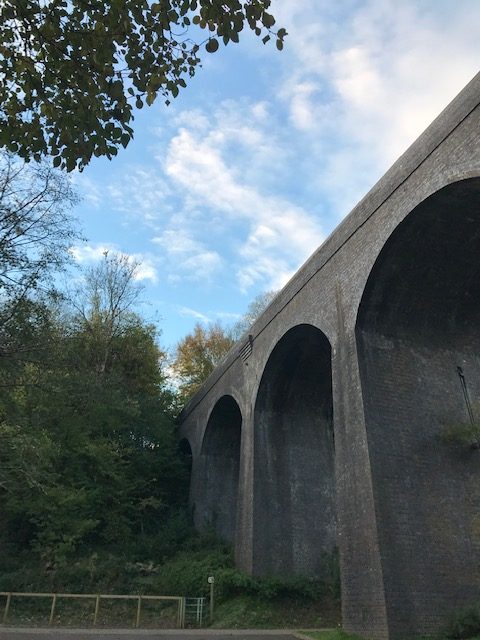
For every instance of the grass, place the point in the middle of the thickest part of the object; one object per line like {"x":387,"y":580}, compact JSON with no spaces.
{"x":331,"y":634}
{"x":241,"y":611}
{"x":251,"y":611}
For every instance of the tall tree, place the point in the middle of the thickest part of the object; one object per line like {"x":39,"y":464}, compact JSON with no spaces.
{"x":254,"y":310}
{"x":71,"y":70}
{"x":103,"y":301}
{"x":91,"y":418}
{"x":36,"y":228}
{"x":197,"y":355}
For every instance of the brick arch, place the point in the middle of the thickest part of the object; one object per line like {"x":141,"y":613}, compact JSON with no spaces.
{"x":417,"y":324}
{"x":220,"y":462}
{"x":294,"y":485}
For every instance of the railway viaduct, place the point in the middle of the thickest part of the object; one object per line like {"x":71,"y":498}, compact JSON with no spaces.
{"x":325,"y":426}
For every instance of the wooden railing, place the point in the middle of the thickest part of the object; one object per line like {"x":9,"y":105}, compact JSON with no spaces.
{"x":180,"y":617}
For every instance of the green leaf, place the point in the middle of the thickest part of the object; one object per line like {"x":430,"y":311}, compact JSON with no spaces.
{"x":44,"y":111}
{"x":268,"y":20}
{"x":212,"y":45}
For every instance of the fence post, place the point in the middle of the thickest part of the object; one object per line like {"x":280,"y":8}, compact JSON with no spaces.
{"x":97,"y":607}
{"x":139,"y":607}
{"x":52,"y":610}
{"x":182,"y":613}
{"x":7,"y":607}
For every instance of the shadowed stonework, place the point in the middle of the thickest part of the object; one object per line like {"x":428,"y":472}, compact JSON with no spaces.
{"x":346,"y":388}
{"x":294,"y":484}
{"x":217,"y":505}
{"x":419,"y":321}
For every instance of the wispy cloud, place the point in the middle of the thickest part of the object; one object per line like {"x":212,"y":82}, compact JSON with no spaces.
{"x":186,"y":311}
{"x":363,"y":80}
{"x":277,"y":234}
{"x":142,"y":193}
{"x":210,"y":316}
{"x":89,"y":254}
{"x":187,"y":257}
{"x":88,"y":188}
{"x":251,"y":185}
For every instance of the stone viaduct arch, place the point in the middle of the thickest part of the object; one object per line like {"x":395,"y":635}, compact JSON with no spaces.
{"x":418,"y":338}
{"x":345,"y":388}
{"x":294,"y":476}
{"x":219,"y":460}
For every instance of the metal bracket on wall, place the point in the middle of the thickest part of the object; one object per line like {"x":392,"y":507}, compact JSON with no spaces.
{"x":466,"y":397}
{"x":246,"y":350}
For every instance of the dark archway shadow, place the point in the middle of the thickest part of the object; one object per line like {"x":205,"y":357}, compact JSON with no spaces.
{"x":185,"y":452}
{"x":294,"y":471}
{"x":220,"y":459}
{"x":418,"y":333}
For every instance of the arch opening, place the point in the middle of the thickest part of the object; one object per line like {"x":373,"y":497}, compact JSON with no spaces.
{"x":418,"y":341}
{"x":294,"y":474}
{"x":185,"y":453}
{"x":220,"y":457}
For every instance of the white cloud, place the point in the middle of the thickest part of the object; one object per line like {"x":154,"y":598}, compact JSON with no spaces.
{"x":302,"y":104}
{"x":208,"y":317}
{"x":88,"y":188}
{"x":142,"y":193}
{"x":251,"y":184}
{"x":146,"y":269}
{"x":187,"y":257}
{"x":186,"y":311}
{"x":91,"y":254}
{"x":278,"y":235}
{"x":370,"y":77}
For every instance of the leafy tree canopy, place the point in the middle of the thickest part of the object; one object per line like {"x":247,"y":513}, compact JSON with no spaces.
{"x":199,"y":352}
{"x":71,"y":71}
{"x":87,"y":448}
{"x":197,"y":355}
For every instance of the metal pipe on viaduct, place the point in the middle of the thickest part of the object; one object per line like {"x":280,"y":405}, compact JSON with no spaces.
{"x":324,"y":427}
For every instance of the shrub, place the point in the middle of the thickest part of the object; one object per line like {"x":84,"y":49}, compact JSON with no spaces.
{"x":465,"y":623}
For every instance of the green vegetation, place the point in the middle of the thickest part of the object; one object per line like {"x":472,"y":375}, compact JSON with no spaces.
{"x":197,"y":355}
{"x":72,"y":72}
{"x":88,"y":455}
{"x":465,"y":623}
{"x":93,"y":487}
{"x":462,"y":435}
{"x":241,"y":600}
{"x":331,"y":634}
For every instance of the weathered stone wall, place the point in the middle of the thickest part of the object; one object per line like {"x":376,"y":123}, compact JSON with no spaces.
{"x":219,"y":462}
{"x":419,"y":322}
{"x":371,"y":331}
{"x":294,"y":507}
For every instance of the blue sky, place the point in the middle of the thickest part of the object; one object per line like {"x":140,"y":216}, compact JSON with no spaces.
{"x":227,"y":191}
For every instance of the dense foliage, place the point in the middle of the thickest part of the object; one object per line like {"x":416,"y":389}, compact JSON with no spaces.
{"x":88,"y":454}
{"x":72,"y":71}
{"x":199,"y":352}
{"x":197,"y":355}
{"x":93,"y":488}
